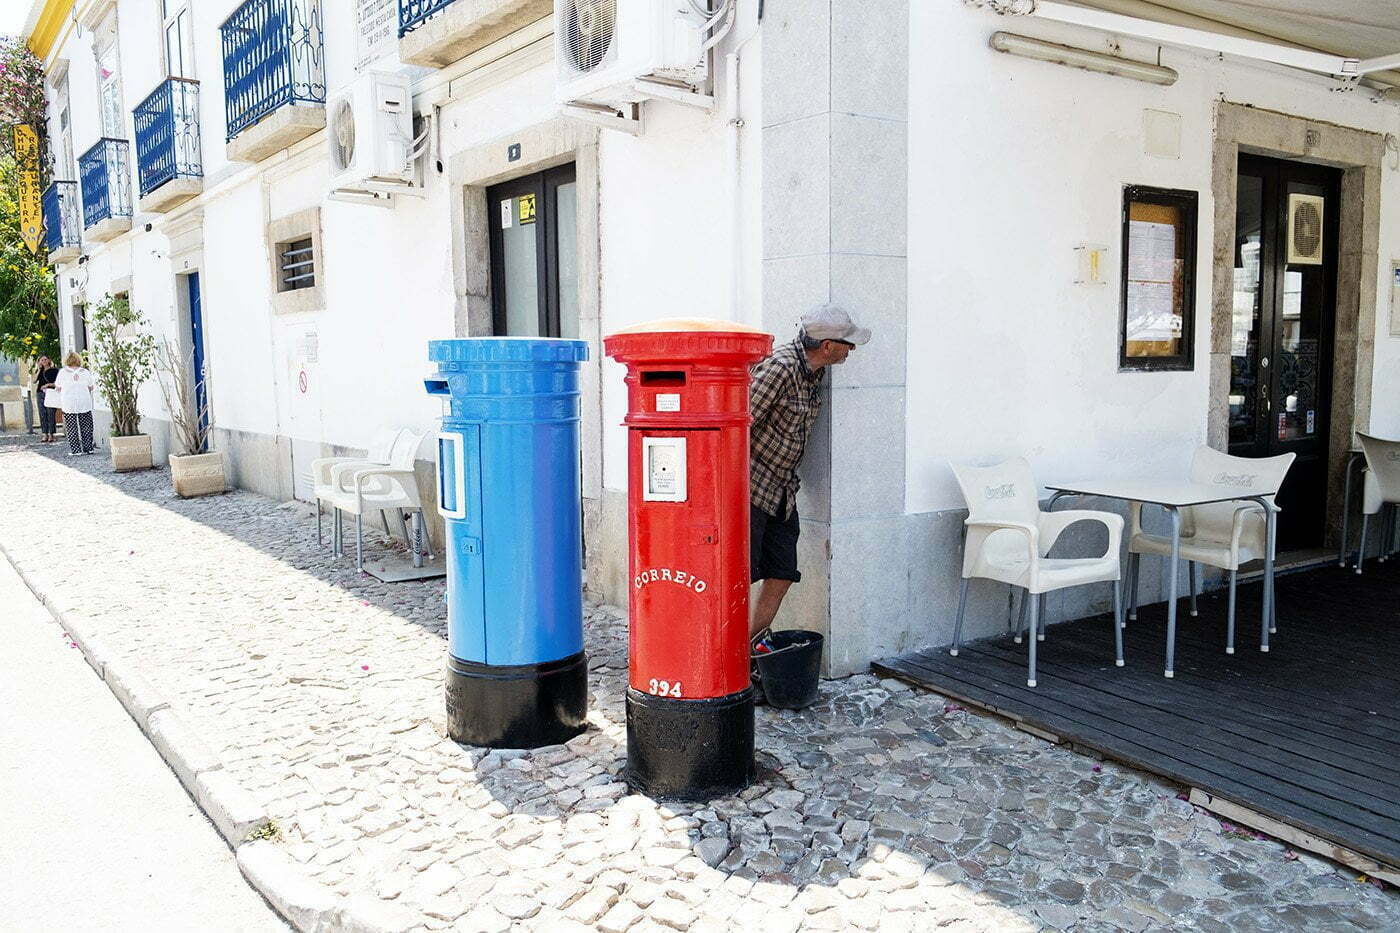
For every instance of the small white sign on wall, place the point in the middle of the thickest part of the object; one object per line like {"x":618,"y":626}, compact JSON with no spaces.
{"x":1395,"y":298}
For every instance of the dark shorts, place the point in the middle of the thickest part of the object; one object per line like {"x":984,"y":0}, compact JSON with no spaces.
{"x":772,"y":546}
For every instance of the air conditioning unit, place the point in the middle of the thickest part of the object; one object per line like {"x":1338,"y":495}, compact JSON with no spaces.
{"x":1305,"y":229}
{"x":603,"y":47}
{"x":369,"y":127}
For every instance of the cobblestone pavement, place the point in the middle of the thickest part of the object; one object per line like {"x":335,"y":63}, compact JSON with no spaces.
{"x":881,"y":807}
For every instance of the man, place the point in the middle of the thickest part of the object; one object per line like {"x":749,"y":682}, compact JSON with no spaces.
{"x":784,"y":399}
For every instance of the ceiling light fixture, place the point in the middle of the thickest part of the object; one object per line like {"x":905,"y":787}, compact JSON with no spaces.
{"x":1038,"y":49}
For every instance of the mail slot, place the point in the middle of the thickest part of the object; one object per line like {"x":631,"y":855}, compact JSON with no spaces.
{"x":690,"y":732}
{"x":509,"y":493}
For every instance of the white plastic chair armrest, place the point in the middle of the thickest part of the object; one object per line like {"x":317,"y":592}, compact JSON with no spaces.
{"x":360,"y":476}
{"x":1053,"y":524}
{"x":979,"y":530}
{"x":343,"y":470}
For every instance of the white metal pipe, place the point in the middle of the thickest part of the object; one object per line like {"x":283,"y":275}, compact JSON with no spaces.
{"x":1384,"y":63}
{"x":1026,"y":47}
{"x":1320,"y":62}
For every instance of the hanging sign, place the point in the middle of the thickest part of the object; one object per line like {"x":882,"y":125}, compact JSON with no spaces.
{"x":31,"y":211}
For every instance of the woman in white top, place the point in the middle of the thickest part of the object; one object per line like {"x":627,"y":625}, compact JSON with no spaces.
{"x":75,"y":384}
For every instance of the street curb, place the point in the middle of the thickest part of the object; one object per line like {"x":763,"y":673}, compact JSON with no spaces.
{"x":308,"y":905}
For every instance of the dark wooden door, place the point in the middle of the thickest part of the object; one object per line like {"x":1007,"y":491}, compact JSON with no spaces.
{"x":1285,"y":295}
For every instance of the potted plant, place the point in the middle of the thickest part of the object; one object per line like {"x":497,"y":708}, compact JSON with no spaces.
{"x":123,"y":357}
{"x":194,"y":469}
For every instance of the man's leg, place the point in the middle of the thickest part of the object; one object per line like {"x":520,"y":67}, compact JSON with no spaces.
{"x":770,"y":598}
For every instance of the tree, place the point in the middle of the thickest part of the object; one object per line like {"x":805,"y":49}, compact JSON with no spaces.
{"x":123,"y":357}
{"x":28,"y":298}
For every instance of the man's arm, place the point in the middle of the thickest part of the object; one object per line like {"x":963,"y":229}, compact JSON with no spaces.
{"x":764,"y":390}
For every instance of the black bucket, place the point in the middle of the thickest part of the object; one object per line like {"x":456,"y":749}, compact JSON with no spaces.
{"x":790,"y":672}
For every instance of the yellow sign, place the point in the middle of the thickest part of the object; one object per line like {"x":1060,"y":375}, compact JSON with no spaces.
{"x":527,"y":208}
{"x":31,"y":212}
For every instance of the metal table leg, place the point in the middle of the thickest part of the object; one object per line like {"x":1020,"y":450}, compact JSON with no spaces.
{"x":1171,"y":589}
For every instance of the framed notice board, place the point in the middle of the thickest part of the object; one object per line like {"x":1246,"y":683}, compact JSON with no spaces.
{"x":1157,"y":321}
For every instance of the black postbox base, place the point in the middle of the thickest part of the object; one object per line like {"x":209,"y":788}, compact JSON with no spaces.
{"x":517,"y":706}
{"x":689,"y":749}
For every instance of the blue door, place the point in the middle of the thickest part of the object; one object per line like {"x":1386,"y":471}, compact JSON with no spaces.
{"x":201,"y":396}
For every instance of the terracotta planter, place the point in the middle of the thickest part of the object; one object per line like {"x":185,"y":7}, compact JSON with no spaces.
{"x":131,"y":453}
{"x":197,"y":474}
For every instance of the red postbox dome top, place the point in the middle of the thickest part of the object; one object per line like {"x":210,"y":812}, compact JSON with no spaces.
{"x":681,"y":339}
{"x":688,"y":324}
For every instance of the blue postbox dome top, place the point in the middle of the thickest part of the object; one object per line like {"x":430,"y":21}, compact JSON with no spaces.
{"x":507,"y":350}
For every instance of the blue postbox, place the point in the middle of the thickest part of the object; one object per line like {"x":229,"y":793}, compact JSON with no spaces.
{"x":509,"y":493}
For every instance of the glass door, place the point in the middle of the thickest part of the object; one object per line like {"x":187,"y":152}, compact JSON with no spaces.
{"x":534,"y":264}
{"x":1285,"y":280}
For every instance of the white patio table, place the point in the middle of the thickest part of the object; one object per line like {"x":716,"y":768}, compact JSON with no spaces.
{"x":1175,"y":495}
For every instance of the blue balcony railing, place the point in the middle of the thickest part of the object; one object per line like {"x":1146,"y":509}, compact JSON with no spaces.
{"x":61,"y":228}
{"x":413,"y":12}
{"x":105,"y":173}
{"x":167,"y":134}
{"x":273,"y":56}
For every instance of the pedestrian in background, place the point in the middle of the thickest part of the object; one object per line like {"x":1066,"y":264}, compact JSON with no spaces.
{"x":45,"y":377}
{"x":784,"y":399}
{"x":75,"y":383}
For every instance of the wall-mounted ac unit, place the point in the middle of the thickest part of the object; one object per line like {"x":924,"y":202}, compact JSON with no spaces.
{"x":603,"y":47}
{"x":369,"y":128}
{"x":1305,"y":230}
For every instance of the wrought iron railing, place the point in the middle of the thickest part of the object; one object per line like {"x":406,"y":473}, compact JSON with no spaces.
{"x":61,"y":225}
{"x":413,"y":12}
{"x":105,"y":173}
{"x":273,"y":56}
{"x":167,"y":134}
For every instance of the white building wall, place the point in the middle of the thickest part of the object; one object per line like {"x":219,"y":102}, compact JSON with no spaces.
{"x":1013,"y":163}
{"x":677,"y":218}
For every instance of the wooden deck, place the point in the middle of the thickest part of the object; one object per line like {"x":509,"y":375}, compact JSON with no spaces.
{"x":1302,"y":742}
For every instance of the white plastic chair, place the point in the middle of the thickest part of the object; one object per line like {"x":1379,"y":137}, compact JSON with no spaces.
{"x":1219,"y":534}
{"x":1008,"y":537}
{"x":1382,"y":486}
{"x":357,"y":488}
{"x":321,"y":486}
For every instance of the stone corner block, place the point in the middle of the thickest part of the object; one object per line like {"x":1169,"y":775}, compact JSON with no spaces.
{"x":133,"y":690}
{"x":307,"y":905}
{"x":234,"y":811}
{"x":187,"y":756}
{"x":362,"y":913}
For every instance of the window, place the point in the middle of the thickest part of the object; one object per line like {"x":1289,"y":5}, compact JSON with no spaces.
{"x":109,"y":87}
{"x":1157,"y":323}
{"x":65,"y":165}
{"x":297,"y":264}
{"x":176,"y":31}
{"x":534,"y":255}
{"x":80,"y":329}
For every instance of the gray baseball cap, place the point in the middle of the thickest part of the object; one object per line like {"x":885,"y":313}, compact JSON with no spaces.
{"x":832,"y":323}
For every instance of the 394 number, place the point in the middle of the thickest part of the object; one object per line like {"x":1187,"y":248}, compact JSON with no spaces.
{"x":664,"y":688}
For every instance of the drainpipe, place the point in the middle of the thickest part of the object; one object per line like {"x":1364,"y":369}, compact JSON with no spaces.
{"x":735,"y":122}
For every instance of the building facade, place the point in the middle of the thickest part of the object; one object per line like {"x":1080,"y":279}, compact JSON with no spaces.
{"x":1002,"y":223}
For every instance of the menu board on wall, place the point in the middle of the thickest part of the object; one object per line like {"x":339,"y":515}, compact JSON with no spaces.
{"x":1159,"y":241}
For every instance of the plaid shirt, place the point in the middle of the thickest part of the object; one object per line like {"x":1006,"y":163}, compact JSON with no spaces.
{"x":784,"y":399}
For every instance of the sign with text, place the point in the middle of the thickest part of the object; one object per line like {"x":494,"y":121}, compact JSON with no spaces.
{"x":31,"y":211}
{"x":377,"y":31}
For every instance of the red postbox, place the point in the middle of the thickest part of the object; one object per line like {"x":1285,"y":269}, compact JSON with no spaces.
{"x":689,"y":702}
